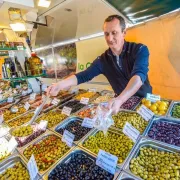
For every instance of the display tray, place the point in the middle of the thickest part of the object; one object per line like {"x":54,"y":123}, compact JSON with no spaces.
{"x":170,"y":103}
{"x":63,"y":125}
{"x":39,"y":139}
{"x":45,"y":113}
{"x":145,"y":142}
{"x":18,"y":117}
{"x":162,"y":119}
{"x":171,"y":108}
{"x":112,"y":130}
{"x":68,"y":157}
{"x":10,"y":162}
{"x":76,"y":107}
{"x":85,"y":108}
{"x":123,"y":175}
{"x":130,"y":111}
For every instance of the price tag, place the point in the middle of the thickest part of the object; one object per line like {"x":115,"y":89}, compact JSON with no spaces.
{"x":107,"y":161}
{"x":2,"y":83}
{"x":10,"y":99}
{"x":32,"y":96}
{"x":43,"y":124}
{"x":131,"y":132}
{"x":29,"y":91}
{"x":92,"y":89}
{"x":146,"y":113}
{"x":66,"y":110}
{"x":84,"y":100}
{"x":10,"y":89}
{"x":18,"y":87}
{"x":14,"y":91}
{"x":3,"y":141}
{"x":24,"y":93}
{"x":88,"y":122}
{"x":32,"y":167}
{"x":12,"y":144}
{"x":55,"y":101}
{"x":11,"y":53}
{"x":1,"y":118}
{"x":1,"y":96}
{"x":20,"y":48}
{"x":68,"y":138}
{"x":27,"y":106}
{"x":153,"y":97}
{"x":36,"y":110}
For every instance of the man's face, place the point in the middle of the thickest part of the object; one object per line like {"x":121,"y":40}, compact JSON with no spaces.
{"x":113,"y":34}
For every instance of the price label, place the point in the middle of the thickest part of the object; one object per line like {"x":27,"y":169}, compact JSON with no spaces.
{"x":43,"y":124}
{"x":146,"y":113}
{"x":32,"y":96}
{"x":2,"y":83}
{"x":11,"y":53}
{"x":66,"y":110}
{"x":20,"y":48}
{"x":1,"y":118}
{"x":36,"y":110}
{"x":12,"y":144}
{"x":14,"y":91}
{"x":10,"y":89}
{"x":29,"y":91}
{"x":10,"y":99}
{"x":84,"y":100}
{"x":55,"y":101}
{"x":24,"y":93}
{"x":68,"y":138}
{"x":131,"y":132}
{"x":18,"y":87}
{"x":88,"y":122}
{"x":27,"y":106}
{"x":107,"y":161}
{"x":32,"y":167}
{"x":92,"y":89}
{"x":153,"y":97}
{"x":1,"y":96}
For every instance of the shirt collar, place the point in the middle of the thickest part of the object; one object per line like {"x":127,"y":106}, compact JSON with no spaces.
{"x":123,"y":50}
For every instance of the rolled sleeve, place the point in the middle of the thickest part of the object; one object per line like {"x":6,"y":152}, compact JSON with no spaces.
{"x":94,"y":70}
{"x":141,"y":63}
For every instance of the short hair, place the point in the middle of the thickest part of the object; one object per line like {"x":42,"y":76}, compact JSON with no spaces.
{"x":120,"y":18}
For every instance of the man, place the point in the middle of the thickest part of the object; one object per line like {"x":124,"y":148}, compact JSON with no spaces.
{"x":124,"y":64}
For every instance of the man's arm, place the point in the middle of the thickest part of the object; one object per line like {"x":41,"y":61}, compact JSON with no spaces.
{"x":139,"y":75}
{"x":84,"y":76}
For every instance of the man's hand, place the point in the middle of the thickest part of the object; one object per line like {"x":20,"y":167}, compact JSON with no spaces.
{"x":115,"y":104}
{"x":53,"y":90}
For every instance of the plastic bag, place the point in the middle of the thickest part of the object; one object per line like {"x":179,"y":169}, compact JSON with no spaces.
{"x":103,"y":119}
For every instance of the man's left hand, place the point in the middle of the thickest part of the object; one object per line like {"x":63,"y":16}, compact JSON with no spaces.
{"x":115,"y":104}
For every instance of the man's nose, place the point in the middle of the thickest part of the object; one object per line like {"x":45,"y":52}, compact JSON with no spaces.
{"x":110,"y":37}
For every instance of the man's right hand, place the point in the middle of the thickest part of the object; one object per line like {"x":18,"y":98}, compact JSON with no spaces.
{"x":53,"y":90}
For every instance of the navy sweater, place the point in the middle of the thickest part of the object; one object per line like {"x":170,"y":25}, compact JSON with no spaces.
{"x":133,"y":60}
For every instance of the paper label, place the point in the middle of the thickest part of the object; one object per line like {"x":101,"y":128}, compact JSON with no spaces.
{"x":107,"y":161}
{"x":12,"y":144}
{"x":84,"y":100}
{"x":32,"y":167}
{"x":2,"y":83}
{"x":24,"y":93}
{"x":1,"y":118}
{"x":68,"y":138}
{"x":10,"y":89}
{"x":1,"y":96}
{"x":55,"y":101}
{"x":36,"y":110}
{"x":20,"y":48}
{"x":32,"y":96}
{"x":88,"y":122}
{"x":18,"y":87}
{"x":131,"y":132}
{"x":92,"y":89}
{"x":146,"y":113}
{"x":10,"y":99}
{"x":27,"y":106}
{"x":43,"y":124}
{"x":153,"y":97}
{"x":66,"y":110}
{"x":14,"y":91}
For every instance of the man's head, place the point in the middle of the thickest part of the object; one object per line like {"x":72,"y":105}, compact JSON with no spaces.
{"x":114,"y":31}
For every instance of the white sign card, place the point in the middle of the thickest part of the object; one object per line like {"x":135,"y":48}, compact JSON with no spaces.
{"x":107,"y":161}
{"x":12,"y":144}
{"x":88,"y":122}
{"x":84,"y":100}
{"x":32,"y":96}
{"x":131,"y":132}
{"x":153,"y":97}
{"x":68,"y":138}
{"x":66,"y":110}
{"x":146,"y":113}
{"x":10,"y":99}
{"x":43,"y":124}
{"x":27,"y":106}
{"x":55,"y":101}
{"x":32,"y":167}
